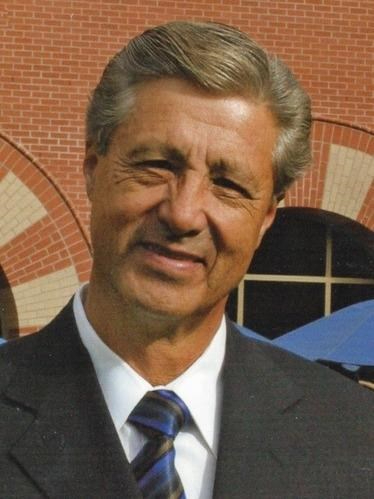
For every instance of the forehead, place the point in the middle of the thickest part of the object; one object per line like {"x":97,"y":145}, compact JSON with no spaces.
{"x":173,"y":115}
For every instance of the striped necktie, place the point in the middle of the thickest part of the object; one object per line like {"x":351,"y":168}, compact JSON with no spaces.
{"x":159,"y":415}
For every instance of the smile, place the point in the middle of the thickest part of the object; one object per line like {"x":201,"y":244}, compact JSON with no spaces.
{"x":163,"y":251}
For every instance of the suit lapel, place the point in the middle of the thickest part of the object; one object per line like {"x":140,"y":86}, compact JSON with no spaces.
{"x":256,"y":397}
{"x":69,"y":446}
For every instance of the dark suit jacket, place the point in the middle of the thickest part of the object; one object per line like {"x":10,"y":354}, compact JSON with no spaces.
{"x":290,"y":428}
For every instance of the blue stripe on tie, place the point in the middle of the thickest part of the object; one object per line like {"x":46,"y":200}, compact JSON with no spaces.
{"x":165,"y":415}
{"x":157,"y":471}
{"x":159,"y":415}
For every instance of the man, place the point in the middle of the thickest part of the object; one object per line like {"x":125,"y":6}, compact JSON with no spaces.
{"x":193,"y":134}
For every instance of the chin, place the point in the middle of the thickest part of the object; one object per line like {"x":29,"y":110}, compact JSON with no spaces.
{"x":166,"y":309}
{"x":165,"y":299}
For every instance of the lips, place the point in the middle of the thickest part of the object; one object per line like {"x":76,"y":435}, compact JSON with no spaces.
{"x":172,"y":253}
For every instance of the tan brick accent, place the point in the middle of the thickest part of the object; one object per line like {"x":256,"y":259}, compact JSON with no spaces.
{"x":349,"y":177}
{"x":43,"y":253}
{"x":19,"y":208}
{"x":366,"y":215}
{"x":39,"y":300}
{"x":317,"y":188}
{"x":39,"y":233}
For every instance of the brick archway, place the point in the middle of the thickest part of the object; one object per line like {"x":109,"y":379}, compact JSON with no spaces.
{"x":341,"y":179}
{"x":44,"y":253}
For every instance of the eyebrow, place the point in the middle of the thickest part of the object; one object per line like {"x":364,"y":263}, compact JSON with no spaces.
{"x":171,"y":153}
{"x":222,"y":167}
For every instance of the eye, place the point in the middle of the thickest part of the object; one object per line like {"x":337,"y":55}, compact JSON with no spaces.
{"x":160,"y":164}
{"x":230,"y":185}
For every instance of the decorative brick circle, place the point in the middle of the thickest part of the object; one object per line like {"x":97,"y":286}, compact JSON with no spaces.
{"x":341,"y":179}
{"x":44,"y":254}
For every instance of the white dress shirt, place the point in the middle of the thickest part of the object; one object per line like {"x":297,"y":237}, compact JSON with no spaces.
{"x":200,"y":387}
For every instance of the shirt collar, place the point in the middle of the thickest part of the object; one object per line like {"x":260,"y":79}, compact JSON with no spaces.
{"x":200,"y":386}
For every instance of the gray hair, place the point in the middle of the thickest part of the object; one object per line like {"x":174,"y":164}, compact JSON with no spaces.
{"x":215,"y":57}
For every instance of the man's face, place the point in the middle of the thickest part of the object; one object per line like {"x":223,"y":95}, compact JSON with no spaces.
{"x":181,"y":199}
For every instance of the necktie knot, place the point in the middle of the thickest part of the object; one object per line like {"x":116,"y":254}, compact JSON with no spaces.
{"x":160,"y":412}
{"x":159,"y":415}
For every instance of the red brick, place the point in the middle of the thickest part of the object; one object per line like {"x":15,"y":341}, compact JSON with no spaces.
{"x":54,"y":52}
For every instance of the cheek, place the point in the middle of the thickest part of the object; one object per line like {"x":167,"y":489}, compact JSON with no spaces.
{"x":238,"y":241}
{"x":235,"y":249}
{"x":117,"y":221}
{"x":240,"y":230}
{"x":107,"y":222}
{"x":131,"y":204}
{"x":242,"y":256}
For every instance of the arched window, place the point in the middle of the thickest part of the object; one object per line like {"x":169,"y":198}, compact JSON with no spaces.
{"x":311,"y":263}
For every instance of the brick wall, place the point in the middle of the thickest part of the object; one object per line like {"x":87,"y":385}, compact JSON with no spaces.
{"x":52,"y":53}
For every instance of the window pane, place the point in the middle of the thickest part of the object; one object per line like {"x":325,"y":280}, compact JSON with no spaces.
{"x":350,"y":259}
{"x":343,"y":295}
{"x":293,"y":245}
{"x":274,"y":308}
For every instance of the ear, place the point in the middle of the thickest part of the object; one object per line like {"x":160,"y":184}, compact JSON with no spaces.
{"x":268,"y":220}
{"x":89,"y":166}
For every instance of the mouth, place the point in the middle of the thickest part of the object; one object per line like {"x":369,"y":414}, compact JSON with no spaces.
{"x":167,"y":252}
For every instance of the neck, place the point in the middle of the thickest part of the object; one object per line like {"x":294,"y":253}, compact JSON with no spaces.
{"x":159,"y":348}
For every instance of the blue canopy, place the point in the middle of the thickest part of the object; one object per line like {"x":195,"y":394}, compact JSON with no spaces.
{"x":344,"y":337}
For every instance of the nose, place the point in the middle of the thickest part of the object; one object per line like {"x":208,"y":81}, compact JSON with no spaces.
{"x":183,"y":209}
